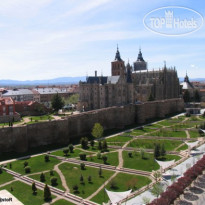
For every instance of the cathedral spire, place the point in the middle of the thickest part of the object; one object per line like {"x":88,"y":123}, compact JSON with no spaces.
{"x":140,"y":58}
{"x":117,"y":55}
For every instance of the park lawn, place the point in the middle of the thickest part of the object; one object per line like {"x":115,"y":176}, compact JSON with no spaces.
{"x":5,"y":177}
{"x":147,"y":164}
{"x":116,"y":143}
{"x":183,"y":147}
{"x":169,"y":145}
{"x":169,"y":133}
{"x":194,"y":134}
{"x":74,"y":154}
{"x":37,"y":164}
{"x":42,"y":117}
{"x":168,"y":122}
{"x":153,"y":126}
{"x":62,"y":202}
{"x":119,"y":138}
{"x":123,"y":182}
{"x":23,"y":193}
{"x":47,"y":179}
{"x":143,"y":131}
{"x":112,"y":159}
{"x":73,"y":172}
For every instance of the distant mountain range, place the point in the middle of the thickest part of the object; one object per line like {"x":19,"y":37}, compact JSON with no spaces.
{"x":61,"y":81}
{"x":55,"y":81}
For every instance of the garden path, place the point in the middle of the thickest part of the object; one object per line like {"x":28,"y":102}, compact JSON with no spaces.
{"x":8,"y":183}
{"x":63,"y":180}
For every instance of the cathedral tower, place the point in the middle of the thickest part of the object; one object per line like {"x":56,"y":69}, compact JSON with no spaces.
{"x":117,"y":64}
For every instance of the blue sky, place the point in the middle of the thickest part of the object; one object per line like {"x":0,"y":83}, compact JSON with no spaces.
{"x":45,"y":39}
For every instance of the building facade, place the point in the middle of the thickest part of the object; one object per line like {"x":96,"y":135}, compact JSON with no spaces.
{"x":125,"y":86}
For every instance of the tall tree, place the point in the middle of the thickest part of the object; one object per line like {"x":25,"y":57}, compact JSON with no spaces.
{"x":186,"y":96}
{"x":57,"y":102}
{"x":47,"y":193}
{"x":157,"y":151}
{"x":34,"y":189}
{"x":163,"y":151}
{"x":157,"y":190}
{"x":197,"y":97}
{"x":97,"y":130}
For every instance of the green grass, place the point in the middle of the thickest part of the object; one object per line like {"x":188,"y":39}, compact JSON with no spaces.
{"x":112,"y":159}
{"x":119,"y":139}
{"x":23,"y":193}
{"x":73,"y":172}
{"x":143,"y":131}
{"x":47,"y":179}
{"x":168,"y":122}
{"x":169,"y":133}
{"x":5,"y":177}
{"x":75,"y":153}
{"x":37,"y":164}
{"x":62,"y":202}
{"x":183,"y":147}
{"x":147,"y":164}
{"x":150,"y":143}
{"x":123,"y":182}
{"x":116,"y":143}
{"x":194,"y":134}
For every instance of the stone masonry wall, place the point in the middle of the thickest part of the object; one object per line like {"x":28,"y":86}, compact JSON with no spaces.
{"x":22,"y":138}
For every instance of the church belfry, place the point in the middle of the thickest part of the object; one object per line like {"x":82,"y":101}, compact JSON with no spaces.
{"x":117,"y":64}
{"x":140,"y":63}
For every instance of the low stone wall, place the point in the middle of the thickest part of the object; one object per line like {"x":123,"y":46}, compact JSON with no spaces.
{"x":22,"y":138}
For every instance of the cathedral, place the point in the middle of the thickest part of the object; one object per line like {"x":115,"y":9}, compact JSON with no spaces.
{"x":128,"y":84}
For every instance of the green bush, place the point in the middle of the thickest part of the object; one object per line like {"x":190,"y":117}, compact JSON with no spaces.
{"x":54,"y":181}
{"x":27,"y":169}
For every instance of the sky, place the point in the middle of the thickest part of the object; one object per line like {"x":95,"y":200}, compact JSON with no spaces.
{"x":45,"y":39}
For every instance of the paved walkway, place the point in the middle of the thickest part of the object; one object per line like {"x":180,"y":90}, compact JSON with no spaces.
{"x":63,"y":180}
{"x":7,"y":183}
{"x":187,"y":134}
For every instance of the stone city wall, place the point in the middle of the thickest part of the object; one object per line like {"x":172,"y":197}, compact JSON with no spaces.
{"x":21,"y":138}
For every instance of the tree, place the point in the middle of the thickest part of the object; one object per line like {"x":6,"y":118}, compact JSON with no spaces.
{"x":25,"y":163}
{"x":157,"y":175}
{"x":75,"y":188}
{"x":145,"y":200}
{"x":54,"y":181}
{"x":65,"y":151}
{"x":82,"y":166}
{"x":57,"y":102}
{"x":92,"y":143}
{"x":130,"y":154}
{"x":197,"y":97}
{"x":151,"y":98}
{"x":186,"y":96}
{"x":27,"y":169}
{"x":89,"y":179}
{"x":81,"y":179}
{"x":51,"y":173}
{"x":157,"y":151}
{"x":1,"y":170}
{"x":82,"y":156}
{"x":10,"y":166}
{"x":84,"y":142}
{"x":47,"y":193}
{"x":99,"y":155}
{"x":100,"y":172}
{"x":157,"y":190}
{"x":104,"y":145}
{"x":100,"y":145}
{"x":142,"y":152}
{"x":42,"y":177}
{"x":71,"y":147}
{"x":104,"y":158}
{"x":46,"y":157}
{"x":97,"y":130}
{"x":113,"y":184}
{"x":34,"y":189}
{"x":163,"y":151}
{"x":73,"y":99}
